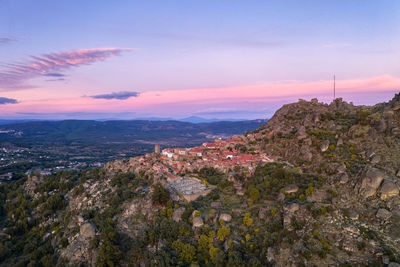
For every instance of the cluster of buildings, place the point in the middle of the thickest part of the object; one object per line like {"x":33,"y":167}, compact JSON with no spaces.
{"x":177,"y":164}
{"x":223,"y":155}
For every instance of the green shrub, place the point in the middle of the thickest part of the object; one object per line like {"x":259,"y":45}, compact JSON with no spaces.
{"x":160,"y":195}
{"x":211,"y":175}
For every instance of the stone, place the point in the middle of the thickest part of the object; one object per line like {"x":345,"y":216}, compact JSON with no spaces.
{"x":383,"y":214}
{"x":281,"y":197}
{"x":225,"y":217}
{"x":339,"y":142}
{"x":88,"y":230}
{"x":198,"y":222}
{"x":388,"y":189}
{"x":353,"y":215}
{"x":292,"y":207}
{"x":287,"y":221}
{"x":324,"y":145}
{"x":291,"y":188}
{"x":341,"y":169}
{"x":344,"y":178}
{"x":371,"y":181}
{"x":177,"y":214}
{"x":394,"y":264}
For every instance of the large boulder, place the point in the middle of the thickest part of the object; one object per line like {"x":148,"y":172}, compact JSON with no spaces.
{"x":198,"y":222}
{"x":291,"y":188}
{"x":88,"y":230}
{"x":371,"y":181}
{"x":388,"y":189}
{"x":324,"y":145}
{"x":225,"y":217}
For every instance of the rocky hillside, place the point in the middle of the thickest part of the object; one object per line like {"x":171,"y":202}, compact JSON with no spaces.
{"x":331,"y":198}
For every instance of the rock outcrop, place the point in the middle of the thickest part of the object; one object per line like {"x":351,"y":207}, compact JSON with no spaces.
{"x":371,"y":181}
{"x":388,"y":189}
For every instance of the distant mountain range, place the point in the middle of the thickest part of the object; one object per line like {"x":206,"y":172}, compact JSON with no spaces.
{"x":133,"y":131}
{"x":192,"y":119}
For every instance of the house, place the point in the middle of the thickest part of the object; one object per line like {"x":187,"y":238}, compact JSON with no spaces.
{"x":196,"y":152}
{"x":168,"y":153}
{"x":209,"y":145}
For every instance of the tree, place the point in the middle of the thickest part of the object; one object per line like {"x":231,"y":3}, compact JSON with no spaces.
{"x":187,"y":252}
{"x":254,"y":194}
{"x":160,"y":195}
{"x":223,"y":232}
{"x":247,"y":220}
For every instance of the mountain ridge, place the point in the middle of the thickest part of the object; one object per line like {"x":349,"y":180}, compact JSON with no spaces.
{"x":329,"y":198}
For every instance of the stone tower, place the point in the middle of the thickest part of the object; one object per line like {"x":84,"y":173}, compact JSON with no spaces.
{"x":157,"y":149}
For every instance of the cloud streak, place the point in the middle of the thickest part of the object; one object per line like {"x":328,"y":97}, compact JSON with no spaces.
{"x":116,"y":95}
{"x":5,"y":100}
{"x":14,"y":75}
{"x":54,"y":75}
{"x":7,"y":40}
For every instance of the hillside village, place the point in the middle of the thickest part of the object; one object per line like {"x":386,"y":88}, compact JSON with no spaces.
{"x":178,"y":165}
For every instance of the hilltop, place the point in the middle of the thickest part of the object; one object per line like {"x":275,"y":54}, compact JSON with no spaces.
{"x":317,"y":185}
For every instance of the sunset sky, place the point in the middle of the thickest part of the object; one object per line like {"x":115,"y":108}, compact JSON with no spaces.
{"x":214,"y":59}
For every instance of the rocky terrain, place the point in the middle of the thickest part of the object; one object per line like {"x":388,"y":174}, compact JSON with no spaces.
{"x":331,"y":198}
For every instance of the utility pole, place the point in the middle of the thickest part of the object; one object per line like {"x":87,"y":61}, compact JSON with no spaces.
{"x":334,"y":87}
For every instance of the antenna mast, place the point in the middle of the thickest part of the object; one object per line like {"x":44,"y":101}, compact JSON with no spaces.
{"x":334,"y":87}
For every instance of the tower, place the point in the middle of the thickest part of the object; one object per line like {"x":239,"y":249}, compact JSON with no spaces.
{"x":157,"y":149}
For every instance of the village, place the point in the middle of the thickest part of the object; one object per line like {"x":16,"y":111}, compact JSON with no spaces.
{"x":178,"y":165}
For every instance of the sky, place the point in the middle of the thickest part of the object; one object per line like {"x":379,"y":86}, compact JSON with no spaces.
{"x":221,"y":59}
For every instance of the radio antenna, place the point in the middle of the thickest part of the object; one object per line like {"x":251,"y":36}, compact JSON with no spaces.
{"x":334,"y":87}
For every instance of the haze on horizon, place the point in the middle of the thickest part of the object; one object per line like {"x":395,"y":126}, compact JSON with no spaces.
{"x":212,"y":59}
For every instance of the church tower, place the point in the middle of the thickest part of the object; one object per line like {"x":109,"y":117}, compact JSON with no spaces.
{"x":157,"y":149}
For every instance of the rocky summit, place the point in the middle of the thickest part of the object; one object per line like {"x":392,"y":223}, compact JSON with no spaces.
{"x":317,"y":185}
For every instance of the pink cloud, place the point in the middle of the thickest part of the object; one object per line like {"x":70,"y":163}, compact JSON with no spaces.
{"x":258,"y":97}
{"x":13,"y":75}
